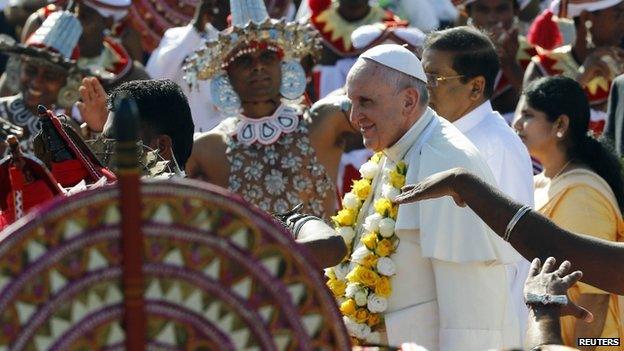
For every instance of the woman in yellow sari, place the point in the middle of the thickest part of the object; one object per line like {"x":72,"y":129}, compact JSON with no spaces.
{"x":581,"y":189}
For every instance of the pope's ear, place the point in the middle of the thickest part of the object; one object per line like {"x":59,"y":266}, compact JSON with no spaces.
{"x":411,"y":96}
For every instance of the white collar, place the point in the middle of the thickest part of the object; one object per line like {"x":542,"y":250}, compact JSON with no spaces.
{"x":266,"y":130}
{"x":474,"y":117}
{"x":397,"y":151}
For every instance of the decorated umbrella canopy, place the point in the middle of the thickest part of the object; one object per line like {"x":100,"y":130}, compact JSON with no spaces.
{"x":211,"y":272}
{"x":218,"y":275}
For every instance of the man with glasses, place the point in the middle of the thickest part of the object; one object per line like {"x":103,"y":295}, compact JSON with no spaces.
{"x":461,"y":66}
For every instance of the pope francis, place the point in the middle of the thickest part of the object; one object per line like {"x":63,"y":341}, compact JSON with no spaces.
{"x":430,"y":273}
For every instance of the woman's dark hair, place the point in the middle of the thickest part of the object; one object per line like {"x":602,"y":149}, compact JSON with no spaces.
{"x":556,"y":96}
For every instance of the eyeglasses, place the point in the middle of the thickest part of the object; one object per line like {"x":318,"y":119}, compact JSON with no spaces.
{"x":433,"y":80}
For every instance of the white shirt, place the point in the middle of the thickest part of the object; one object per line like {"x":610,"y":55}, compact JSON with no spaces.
{"x":166,"y":62}
{"x":511,"y":165}
{"x":449,"y":263}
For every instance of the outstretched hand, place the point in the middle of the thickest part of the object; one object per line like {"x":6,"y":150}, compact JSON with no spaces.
{"x":432,"y":187}
{"x":93,"y":105}
{"x":546,"y":280}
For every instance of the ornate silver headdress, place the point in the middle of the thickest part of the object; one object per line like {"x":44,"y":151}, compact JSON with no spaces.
{"x":252,"y":25}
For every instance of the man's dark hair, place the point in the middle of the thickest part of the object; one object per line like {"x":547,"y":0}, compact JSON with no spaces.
{"x":473,"y":54}
{"x":164,"y":109}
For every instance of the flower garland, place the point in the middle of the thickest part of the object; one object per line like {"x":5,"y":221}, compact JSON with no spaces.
{"x":361,"y":283}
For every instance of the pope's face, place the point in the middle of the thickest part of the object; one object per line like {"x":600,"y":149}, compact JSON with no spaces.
{"x":376,"y":107}
{"x":40,"y":84}
{"x":256,"y":76}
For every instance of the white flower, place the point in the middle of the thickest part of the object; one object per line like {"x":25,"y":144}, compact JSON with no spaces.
{"x":361,"y":298}
{"x":386,"y":227}
{"x":350,"y":200}
{"x":369,"y":170}
{"x":371,"y":223}
{"x":352,"y":289}
{"x":347,"y":234}
{"x":359,"y":254}
{"x":329,"y":272}
{"x":389,"y":192}
{"x":386,"y":266}
{"x":341,"y":271}
{"x":360,"y":331}
{"x":374,"y":338}
{"x":377,"y":304}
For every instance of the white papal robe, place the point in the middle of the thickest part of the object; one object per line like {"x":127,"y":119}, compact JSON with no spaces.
{"x":450,"y":291}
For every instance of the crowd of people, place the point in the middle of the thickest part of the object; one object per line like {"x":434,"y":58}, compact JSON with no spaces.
{"x":424,"y":151}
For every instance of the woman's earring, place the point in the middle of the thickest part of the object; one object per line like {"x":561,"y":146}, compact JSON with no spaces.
{"x":589,"y":39}
{"x":559,"y":135}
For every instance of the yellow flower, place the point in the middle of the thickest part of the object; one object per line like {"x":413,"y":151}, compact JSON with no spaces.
{"x":383,"y":287}
{"x":376,"y":157}
{"x":383,"y":207}
{"x":397,"y":180}
{"x":384,"y":248}
{"x":337,"y":287}
{"x":369,"y":240}
{"x":369,"y":261}
{"x":401,"y":167}
{"x":393,"y":212}
{"x":373,"y":319}
{"x":345,"y":217}
{"x":361,"y":188}
{"x":363,"y":275}
{"x":348,"y":307}
{"x":361,"y":315}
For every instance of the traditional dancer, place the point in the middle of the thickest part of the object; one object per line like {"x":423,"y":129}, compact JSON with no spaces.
{"x":269,"y":149}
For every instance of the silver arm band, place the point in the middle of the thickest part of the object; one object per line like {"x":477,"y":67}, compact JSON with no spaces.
{"x":546,"y":299}
{"x":514,"y":220}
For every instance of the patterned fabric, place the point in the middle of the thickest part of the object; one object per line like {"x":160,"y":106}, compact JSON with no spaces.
{"x":336,"y":31}
{"x":561,"y":62}
{"x":219,"y":275}
{"x":13,"y":110}
{"x":279,"y":176}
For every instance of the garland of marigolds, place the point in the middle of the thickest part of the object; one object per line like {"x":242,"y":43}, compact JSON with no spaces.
{"x":361,"y":283}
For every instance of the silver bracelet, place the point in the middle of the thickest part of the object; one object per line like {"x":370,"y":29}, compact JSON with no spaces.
{"x":514,"y":220}
{"x":299,"y":222}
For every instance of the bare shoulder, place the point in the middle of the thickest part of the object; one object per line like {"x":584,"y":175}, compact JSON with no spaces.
{"x":212,"y":141}
{"x":331,"y":113}
{"x":208,"y":160}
